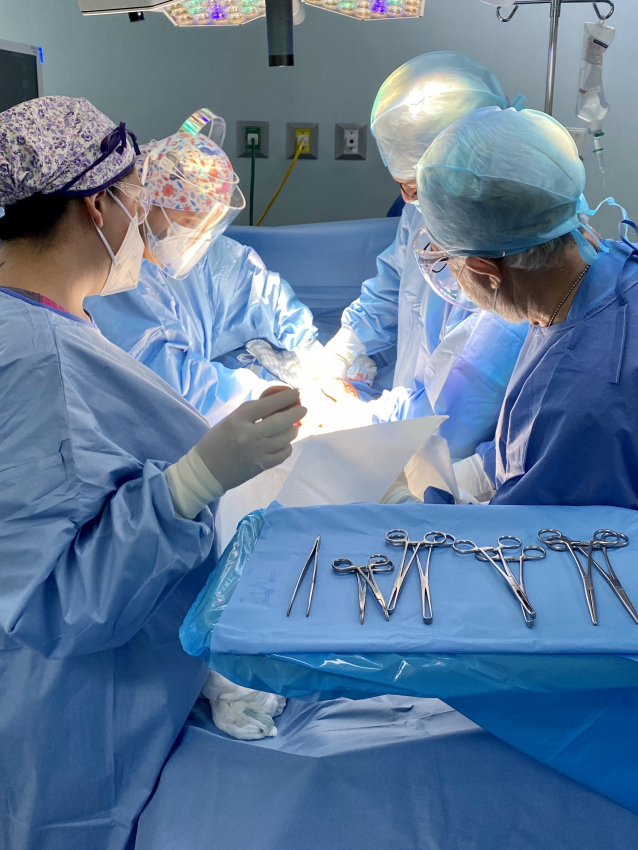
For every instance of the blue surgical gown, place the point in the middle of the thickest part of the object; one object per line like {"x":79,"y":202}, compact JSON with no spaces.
{"x":568,"y":431}
{"x":178,"y":327}
{"x":449,"y":362}
{"x":96,"y":575}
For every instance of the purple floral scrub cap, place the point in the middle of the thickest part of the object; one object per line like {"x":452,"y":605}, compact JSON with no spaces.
{"x":61,"y":146}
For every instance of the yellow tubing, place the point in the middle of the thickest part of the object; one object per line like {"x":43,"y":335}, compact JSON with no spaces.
{"x":281,"y":185}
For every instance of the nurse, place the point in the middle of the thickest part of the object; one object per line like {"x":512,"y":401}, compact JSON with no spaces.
{"x":106,"y":474}
{"x":449,"y":362}
{"x":501,"y":197}
{"x":200,"y":294}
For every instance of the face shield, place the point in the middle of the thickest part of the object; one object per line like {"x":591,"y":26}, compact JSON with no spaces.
{"x":434,"y":268}
{"x":195,"y":196}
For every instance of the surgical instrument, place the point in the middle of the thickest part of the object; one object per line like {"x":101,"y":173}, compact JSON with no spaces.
{"x":559,"y":542}
{"x":526,"y":555}
{"x":461,"y":546}
{"x":433,"y":540}
{"x":399,"y":537}
{"x":314,"y":554}
{"x":605,"y":539}
{"x":365,"y":579}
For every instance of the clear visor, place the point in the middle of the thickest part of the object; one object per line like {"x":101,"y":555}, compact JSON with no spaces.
{"x":434,"y":268}
{"x":178,"y":239}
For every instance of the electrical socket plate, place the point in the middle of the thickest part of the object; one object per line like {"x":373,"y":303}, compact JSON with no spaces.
{"x":258,"y":128}
{"x":578,"y":134}
{"x":351,"y":141}
{"x":292,"y":133}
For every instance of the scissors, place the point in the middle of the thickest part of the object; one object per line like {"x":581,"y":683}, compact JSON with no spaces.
{"x":365,"y":579}
{"x":314,"y":555}
{"x":603,"y":539}
{"x":559,"y":542}
{"x":433,"y":540}
{"x":467,"y":547}
{"x":399,"y":537}
{"x":526,"y":555}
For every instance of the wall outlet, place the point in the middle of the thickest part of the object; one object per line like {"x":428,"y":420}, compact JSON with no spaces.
{"x":578,"y":134}
{"x":350,"y":141}
{"x":305,"y":134}
{"x":249,"y":132}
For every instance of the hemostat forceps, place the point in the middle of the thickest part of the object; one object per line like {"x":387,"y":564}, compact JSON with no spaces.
{"x":314,"y":554}
{"x":365,"y":579}
{"x":559,"y":542}
{"x":399,"y":537}
{"x":433,"y":540}
{"x":603,"y":539}
{"x":466,"y":547}
{"x":526,"y":555}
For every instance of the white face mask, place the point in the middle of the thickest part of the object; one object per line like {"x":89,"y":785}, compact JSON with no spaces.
{"x":127,"y":263}
{"x":182,"y":247}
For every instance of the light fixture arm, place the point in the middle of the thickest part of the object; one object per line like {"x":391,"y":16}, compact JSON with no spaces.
{"x":554,"y":16}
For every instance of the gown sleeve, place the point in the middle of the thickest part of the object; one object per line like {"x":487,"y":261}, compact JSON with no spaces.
{"x":374,"y":316}
{"x":90,"y":543}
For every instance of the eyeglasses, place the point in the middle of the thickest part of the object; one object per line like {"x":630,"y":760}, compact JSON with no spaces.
{"x":409,"y":191}
{"x":433,"y":264}
{"x":140,"y":195}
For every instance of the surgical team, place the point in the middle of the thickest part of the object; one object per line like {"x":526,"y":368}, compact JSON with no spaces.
{"x":120,"y":429}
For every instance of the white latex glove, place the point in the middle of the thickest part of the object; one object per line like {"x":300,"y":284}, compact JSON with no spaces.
{"x":255,"y":437}
{"x":341,"y":352}
{"x":244,"y":713}
{"x":471,"y":478}
{"x":364,"y":369}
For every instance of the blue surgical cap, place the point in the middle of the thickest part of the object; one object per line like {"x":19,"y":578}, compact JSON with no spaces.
{"x":499,"y":181}
{"x":422,"y":98}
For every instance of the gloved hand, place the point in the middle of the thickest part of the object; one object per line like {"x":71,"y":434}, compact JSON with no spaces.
{"x":255,"y":437}
{"x":341,"y":352}
{"x":363,"y":370}
{"x":244,"y":713}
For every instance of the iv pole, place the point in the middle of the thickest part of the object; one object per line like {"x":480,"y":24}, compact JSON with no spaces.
{"x":554,"y":17}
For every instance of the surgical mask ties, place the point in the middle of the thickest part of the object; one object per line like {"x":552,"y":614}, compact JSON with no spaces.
{"x":495,"y":299}
{"x":127,"y":263}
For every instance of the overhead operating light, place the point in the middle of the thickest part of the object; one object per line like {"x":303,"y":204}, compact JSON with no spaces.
{"x":280,"y":15}
{"x":211,"y":13}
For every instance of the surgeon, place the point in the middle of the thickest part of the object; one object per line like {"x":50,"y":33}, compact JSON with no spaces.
{"x":501,"y":196}
{"x":106,"y":474}
{"x":200,"y":294}
{"x":449,"y":361}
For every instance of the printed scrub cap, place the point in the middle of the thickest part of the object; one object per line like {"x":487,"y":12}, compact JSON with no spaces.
{"x":499,"y":182}
{"x":187,"y":172}
{"x":60,"y":146}
{"x":423,"y":97}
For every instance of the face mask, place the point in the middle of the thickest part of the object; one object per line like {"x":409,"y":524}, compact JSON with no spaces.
{"x":181,"y":248}
{"x":127,"y":263}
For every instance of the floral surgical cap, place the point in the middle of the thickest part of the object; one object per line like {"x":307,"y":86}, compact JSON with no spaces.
{"x":187,"y":172}
{"x":60,"y":146}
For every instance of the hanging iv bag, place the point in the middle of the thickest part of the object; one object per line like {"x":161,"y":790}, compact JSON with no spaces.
{"x":592,"y":106}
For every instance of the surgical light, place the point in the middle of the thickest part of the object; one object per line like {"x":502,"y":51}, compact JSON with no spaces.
{"x":280,"y":15}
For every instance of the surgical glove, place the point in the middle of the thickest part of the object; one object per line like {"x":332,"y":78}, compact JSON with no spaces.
{"x":296,"y":367}
{"x":364,"y":370}
{"x":472,"y":479}
{"x":244,"y":713}
{"x":341,"y":352}
{"x":255,"y":437}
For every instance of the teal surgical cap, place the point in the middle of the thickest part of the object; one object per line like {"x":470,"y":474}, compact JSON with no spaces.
{"x":422,"y":98}
{"x":499,"y":181}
